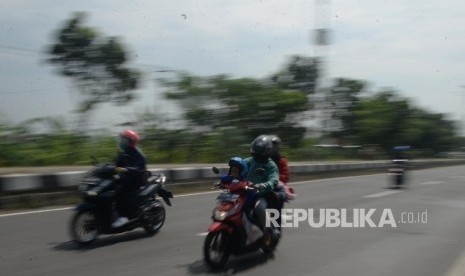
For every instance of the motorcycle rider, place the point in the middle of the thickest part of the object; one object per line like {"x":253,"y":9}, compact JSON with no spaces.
{"x":131,"y":165}
{"x":266,"y":183}
{"x":400,"y":156}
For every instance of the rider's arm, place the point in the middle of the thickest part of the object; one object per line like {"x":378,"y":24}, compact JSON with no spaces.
{"x":137,"y":164}
{"x":272,"y":175}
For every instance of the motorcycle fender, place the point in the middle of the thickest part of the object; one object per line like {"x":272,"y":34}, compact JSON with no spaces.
{"x":218,"y":226}
{"x":166,"y":195}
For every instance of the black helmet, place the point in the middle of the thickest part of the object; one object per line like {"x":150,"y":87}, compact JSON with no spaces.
{"x":276,"y":143}
{"x":261,"y":147}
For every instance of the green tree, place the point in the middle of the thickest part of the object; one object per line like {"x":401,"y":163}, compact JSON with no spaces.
{"x":339,"y":103}
{"x":95,"y":64}
{"x":430,"y":132}
{"x":300,"y":73}
{"x":250,"y":107}
{"x":387,"y":120}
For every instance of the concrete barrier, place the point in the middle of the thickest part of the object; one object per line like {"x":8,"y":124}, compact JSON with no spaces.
{"x":31,"y":190}
{"x":47,"y":182}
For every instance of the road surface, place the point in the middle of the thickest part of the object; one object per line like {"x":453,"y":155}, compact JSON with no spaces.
{"x":423,"y":233}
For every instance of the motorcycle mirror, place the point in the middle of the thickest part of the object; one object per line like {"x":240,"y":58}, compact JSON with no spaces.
{"x":259,"y":171}
{"x":216,"y":170}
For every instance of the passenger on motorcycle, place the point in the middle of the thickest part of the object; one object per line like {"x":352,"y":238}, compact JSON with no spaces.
{"x":238,"y":171}
{"x":131,"y":165}
{"x":267,"y":182}
{"x":285,"y":192}
{"x":237,"y":174}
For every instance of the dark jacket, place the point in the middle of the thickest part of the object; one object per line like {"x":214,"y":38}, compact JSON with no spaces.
{"x":134,"y":161}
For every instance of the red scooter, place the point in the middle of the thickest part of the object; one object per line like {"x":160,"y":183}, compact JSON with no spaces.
{"x":232,"y":231}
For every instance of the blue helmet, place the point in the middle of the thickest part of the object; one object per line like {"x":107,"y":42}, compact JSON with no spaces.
{"x":239,"y":162}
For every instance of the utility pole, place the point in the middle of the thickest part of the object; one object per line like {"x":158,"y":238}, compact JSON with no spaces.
{"x":321,"y":42}
{"x":462,"y":114}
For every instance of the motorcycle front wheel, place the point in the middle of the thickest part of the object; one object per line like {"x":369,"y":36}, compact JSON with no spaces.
{"x":84,"y":227}
{"x":216,"y":249}
{"x":155,"y":217}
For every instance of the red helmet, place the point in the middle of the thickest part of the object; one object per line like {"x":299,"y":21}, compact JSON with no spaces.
{"x":129,"y":137}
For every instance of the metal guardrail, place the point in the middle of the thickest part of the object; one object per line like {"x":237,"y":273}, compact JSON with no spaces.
{"x":47,"y":182}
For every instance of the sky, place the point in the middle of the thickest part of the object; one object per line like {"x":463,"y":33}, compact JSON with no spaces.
{"x":416,"y":47}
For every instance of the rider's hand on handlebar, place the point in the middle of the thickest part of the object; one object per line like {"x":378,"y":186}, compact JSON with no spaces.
{"x":217,"y":185}
{"x":120,"y":170}
{"x":260,"y":186}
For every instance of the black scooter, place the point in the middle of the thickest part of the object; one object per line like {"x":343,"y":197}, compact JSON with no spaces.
{"x":93,"y":215}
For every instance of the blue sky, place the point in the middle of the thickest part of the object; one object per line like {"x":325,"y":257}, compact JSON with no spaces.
{"x":415,"y":46}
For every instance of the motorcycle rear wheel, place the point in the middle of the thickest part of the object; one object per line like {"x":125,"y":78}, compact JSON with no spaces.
{"x":270,"y":240}
{"x":84,"y":227}
{"x":216,"y":249}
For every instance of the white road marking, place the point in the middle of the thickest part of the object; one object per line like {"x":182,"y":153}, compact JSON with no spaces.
{"x":35,"y":212}
{"x":202,"y":234}
{"x":199,"y":193}
{"x":458,"y":269}
{"x":381,"y":194}
{"x":431,"y":182}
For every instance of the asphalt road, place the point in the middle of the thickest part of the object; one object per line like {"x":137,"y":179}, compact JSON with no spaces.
{"x":425,"y":237}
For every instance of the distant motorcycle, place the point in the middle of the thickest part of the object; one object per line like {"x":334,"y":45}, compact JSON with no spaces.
{"x":232,"y":231}
{"x":398,"y":171}
{"x":93,"y":215}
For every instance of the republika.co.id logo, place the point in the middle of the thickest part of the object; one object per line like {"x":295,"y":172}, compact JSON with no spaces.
{"x":343,"y":218}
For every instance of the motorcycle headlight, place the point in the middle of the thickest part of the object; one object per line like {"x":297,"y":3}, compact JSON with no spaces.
{"x":223,"y":210}
{"x":220,"y":215}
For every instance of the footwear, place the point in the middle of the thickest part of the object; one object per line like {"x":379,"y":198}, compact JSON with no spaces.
{"x":119,"y":222}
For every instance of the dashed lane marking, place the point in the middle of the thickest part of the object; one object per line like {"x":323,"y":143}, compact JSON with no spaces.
{"x":382,"y":194}
{"x":431,"y":183}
